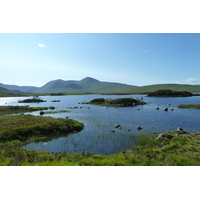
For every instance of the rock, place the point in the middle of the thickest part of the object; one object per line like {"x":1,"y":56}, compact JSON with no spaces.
{"x":160,"y":136}
{"x":165,"y":109}
{"x":41,"y":113}
{"x":171,"y":109}
{"x":112,"y":131}
{"x":163,"y":135}
{"x":139,"y":128}
{"x":157,"y":108}
{"x":179,"y":129}
{"x":51,"y":107}
{"x":117,"y":126}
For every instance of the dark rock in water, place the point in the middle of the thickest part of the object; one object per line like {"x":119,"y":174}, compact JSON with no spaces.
{"x":117,"y":126}
{"x":157,"y":108}
{"x":165,"y":109}
{"x":52,"y":107}
{"x":139,"y":128}
{"x":112,"y":131}
{"x":171,"y":109}
{"x":41,"y":113}
{"x":129,"y":130}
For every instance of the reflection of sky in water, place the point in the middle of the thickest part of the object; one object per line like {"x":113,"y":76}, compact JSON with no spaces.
{"x":99,"y":121}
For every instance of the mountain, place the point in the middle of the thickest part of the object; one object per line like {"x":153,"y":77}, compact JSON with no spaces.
{"x":91,"y":85}
{"x":20,"y":88}
{"x":85,"y":85}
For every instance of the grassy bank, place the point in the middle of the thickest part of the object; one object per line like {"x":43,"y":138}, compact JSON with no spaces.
{"x":4,"y":110}
{"x":28,"y":128}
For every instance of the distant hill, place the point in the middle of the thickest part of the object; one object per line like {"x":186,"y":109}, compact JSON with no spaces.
{"x":20,"y":88}
{"x":12,"y":93}
{"x":91,"y":85}
{"x":176,"y":87}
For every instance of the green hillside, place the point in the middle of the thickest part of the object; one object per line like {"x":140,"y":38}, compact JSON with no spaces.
{"x":176,"y":87}
{"x":12,"y":93}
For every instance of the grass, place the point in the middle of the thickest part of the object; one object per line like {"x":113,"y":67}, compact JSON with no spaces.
{"x":181,"y":150}
{"x":4,"y":110}
{"x":53,"y":112}
{"x":191,"y":106}
{"x":27,"y":128}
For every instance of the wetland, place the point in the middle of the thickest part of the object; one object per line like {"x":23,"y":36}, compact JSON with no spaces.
{"x":99,"y":138}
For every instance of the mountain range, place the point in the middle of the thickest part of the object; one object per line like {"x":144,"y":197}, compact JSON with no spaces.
{"x":91,"y":85}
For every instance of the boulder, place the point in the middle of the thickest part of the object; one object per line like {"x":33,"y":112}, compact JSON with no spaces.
{"x":117,"y":126}
{"x":41,"y":113}
{"x":139,"y":128}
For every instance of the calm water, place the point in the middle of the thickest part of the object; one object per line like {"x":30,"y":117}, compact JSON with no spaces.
{"x":99,"y":121}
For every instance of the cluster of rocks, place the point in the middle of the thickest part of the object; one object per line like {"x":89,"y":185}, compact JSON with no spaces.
{"x":118,"y":126}
{"x":168,"y":136}
{"x":78,"y":107}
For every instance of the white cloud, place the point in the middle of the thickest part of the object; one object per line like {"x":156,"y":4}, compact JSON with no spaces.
{"x":41,"y":45}
{"x":146,"y":51}
{"x":177,"y":82}
{"x":191,"y":80}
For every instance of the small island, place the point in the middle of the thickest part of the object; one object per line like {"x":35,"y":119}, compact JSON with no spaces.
{"x":121,"y":102}
{"x":169,"y":93}
{"x":189,"y":106}
{"x":35,"y":99}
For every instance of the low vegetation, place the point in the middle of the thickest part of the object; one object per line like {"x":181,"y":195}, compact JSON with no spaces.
{"x":192,"y":106}
{"x":35,"y":99}
{"x":175,"y":149}
{"x":26,"y":128}
{"x":121,"y":102}
{"x":4,"y":110}
{"x":169,"y":93}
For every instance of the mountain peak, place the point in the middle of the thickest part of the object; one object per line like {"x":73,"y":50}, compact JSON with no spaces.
{"x":89,"y":80}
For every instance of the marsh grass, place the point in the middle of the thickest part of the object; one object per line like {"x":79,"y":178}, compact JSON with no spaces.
{"x":55,"y":112}
{"x":181,"y":150}
{"x":4,"y":110}
{"x":191,"y":106}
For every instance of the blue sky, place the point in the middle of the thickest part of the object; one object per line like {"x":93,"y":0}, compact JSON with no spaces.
{"x":131,"y":58}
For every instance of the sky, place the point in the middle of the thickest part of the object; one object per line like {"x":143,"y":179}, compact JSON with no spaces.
{"x":33,"y":59}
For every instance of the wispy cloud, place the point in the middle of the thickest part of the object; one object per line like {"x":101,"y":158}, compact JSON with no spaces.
{"x":177,"y":82}
{"x":191,"y":80}
{"x":146,"y":51}
{"x":41,"y":45}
